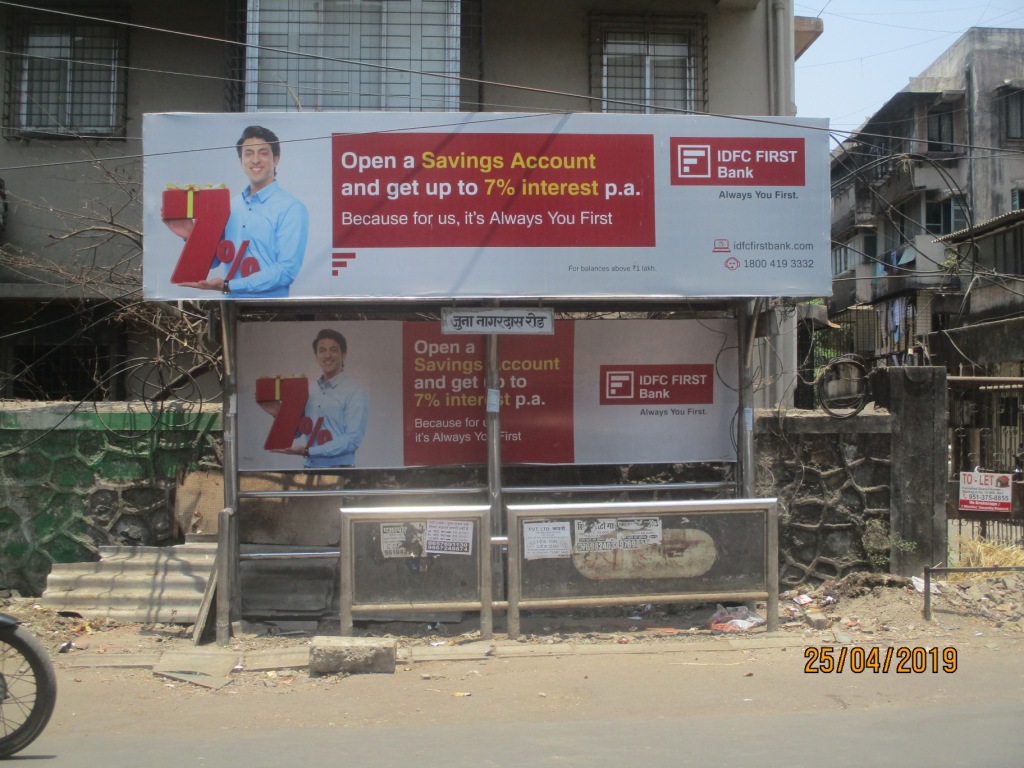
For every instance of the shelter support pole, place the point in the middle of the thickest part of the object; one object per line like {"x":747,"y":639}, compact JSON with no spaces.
{"x":745,"y":427}
{"x":494,"y":488}
{"x":225,"y":569}
{"x":227,"y":546}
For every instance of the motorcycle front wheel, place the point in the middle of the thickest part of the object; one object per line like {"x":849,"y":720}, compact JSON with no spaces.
{"x":28,"y":690}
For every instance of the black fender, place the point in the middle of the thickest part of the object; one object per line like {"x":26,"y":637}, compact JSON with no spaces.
{"x":7,"y":622}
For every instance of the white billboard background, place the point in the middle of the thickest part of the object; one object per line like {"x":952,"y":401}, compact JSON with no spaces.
{"x":643,"y":437}
{"x":374,"y":360}
{"x":199,"y":150}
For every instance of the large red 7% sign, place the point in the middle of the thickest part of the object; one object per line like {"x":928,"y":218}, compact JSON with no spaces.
{"x":291,"y":421}
{"x":209,"y":210}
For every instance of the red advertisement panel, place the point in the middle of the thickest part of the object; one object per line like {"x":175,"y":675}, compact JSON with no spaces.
{"x":739,"y":162}
{"x":444,"y":397}
{"x":492,"y":190}
{"x":657,"y":384}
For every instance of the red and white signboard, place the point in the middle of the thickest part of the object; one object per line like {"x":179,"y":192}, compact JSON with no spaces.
{"x":562,"y":397}
{"x":485,"y":205}
{"x":986,"y":492}
{"x":738,"y":162}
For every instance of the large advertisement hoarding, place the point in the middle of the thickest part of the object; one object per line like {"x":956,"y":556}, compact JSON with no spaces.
{"x":389,"y":394}
{"x":484,"y":205}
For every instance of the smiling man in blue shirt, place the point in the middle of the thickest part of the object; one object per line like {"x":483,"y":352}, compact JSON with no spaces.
{"x":270,"y":224}
{"x":337,"y":410}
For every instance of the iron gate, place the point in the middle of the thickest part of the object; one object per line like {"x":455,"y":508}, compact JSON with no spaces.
{"x":986,"y":433}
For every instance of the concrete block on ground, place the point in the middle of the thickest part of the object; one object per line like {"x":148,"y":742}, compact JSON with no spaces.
{"x":352,"y":655}
{"x":816,"y":619}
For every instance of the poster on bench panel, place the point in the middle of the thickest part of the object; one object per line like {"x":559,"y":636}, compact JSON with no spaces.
{"x":388,"y":394}
{"x":319,"y":205}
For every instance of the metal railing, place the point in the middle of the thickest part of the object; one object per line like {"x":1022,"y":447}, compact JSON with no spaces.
{"x":671,"y":582}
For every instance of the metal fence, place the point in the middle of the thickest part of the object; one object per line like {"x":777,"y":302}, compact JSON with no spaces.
{"x":986,"y":433}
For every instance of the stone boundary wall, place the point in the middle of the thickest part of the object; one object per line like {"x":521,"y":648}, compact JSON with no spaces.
{"x":832,"y":479}
{"x":73,"y":479}
{"x":76,"y":477}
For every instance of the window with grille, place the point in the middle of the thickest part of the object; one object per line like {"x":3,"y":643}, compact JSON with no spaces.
{"x":869,"y":251}
{"x":64,"y":372}
{"x":940,"y":130}
{"x":67,"y":77}
{"x":318,"y":55}
{"x":649,"y":65}
{"x":1015,"y":115}
{"x":59,"y":351}
{"x":903,"y":224}
{"x":843,"y":258}
{"x":942,"y":217}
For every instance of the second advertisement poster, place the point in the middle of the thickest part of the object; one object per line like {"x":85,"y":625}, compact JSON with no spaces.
{"x":390,"y":394}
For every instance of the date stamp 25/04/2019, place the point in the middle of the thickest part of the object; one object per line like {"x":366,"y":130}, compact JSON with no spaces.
{"x":899,"y":659}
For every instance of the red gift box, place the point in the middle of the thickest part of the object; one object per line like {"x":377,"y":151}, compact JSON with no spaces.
{"x":209,"y":209}
{"x":183,"y":202}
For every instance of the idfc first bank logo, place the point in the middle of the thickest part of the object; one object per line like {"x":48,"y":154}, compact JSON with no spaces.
{"x":738,"y":162}
{"x":647,"y":384}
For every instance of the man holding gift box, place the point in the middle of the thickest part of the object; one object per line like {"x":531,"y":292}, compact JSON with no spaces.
{"x":267,"y":228}
{"x":336,"y":411}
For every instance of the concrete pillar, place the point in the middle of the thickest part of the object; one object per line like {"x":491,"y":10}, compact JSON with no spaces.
{"x":917,"y":516}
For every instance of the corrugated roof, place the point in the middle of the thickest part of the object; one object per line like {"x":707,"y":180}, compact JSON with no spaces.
{"x":994,"y":224}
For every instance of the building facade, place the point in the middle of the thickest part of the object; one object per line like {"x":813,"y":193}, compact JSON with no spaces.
{"x":79,"y":77}
{"x":912,"y":189}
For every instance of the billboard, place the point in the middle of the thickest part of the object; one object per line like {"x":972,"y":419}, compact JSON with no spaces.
{"x":390,"y":394}
{"x":484,"y":205}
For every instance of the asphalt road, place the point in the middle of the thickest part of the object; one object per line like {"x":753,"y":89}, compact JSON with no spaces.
{"x":660,"y":706}
{"x":985,"y":736}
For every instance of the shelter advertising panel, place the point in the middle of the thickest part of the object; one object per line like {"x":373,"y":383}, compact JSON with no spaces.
{"x":484,"y":205}
{"x":388,"y":394}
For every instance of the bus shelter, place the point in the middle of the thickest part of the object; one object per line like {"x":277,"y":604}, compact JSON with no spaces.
{"x":435,"y":290}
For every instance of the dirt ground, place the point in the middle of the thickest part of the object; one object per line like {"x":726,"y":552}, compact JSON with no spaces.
{"x":862,"y":608}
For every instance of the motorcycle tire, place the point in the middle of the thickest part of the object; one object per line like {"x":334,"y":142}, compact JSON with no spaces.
{"x":28,"y":690}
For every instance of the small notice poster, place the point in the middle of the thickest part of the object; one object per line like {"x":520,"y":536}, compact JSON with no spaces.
{"x":546,"y":539}
{"x":401,"y":539}
{"x":985,"y":492}
{"x":605,"y":535}
{"x":449,"y":537}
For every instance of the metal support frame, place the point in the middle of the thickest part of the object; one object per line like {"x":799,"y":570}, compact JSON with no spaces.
{"x":495,"y":535}
{"x":229,"y":602}
{"x":226,"y":586}
{"x":494,"y":487}
{"x":745,"y":318}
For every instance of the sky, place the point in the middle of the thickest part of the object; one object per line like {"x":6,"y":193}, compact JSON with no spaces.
{"x":870,"y":49}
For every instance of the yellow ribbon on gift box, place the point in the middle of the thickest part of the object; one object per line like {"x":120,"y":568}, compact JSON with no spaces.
{"x":191,"y":189}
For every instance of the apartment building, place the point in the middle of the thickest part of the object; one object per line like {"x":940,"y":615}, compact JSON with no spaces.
{"x":79,"y":76}
{"x":924,"y":195}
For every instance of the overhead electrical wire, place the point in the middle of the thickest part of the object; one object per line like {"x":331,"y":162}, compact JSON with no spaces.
{"x":373,"y":65}
{"x":850,"y":135}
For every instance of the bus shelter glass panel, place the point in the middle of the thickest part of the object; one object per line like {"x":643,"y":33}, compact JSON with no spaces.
{"x":415,"y":561}
{"x":623,"y":554}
